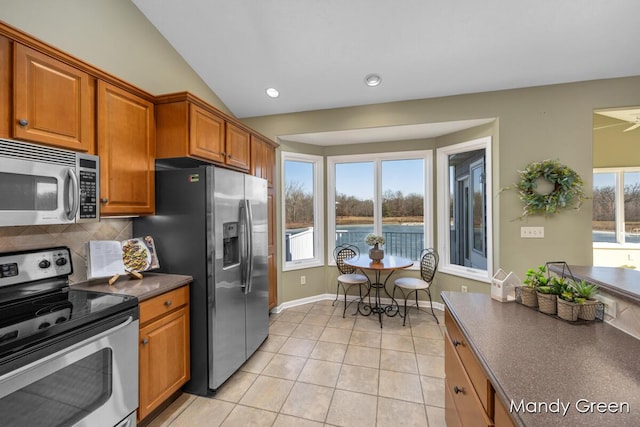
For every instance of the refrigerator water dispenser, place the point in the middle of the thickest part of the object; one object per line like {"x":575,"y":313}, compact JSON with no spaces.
{"x":230,"y":244}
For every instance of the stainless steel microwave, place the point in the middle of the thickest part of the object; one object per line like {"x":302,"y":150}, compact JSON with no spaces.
{"x":43,"y":185}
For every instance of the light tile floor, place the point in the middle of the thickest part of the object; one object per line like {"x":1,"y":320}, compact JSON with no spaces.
{"x":319,"y":369}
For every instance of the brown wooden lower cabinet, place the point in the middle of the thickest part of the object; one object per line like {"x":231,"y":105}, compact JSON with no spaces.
{"x":470,"y":398}
{"x":163,"y":347}
{"x":463,"y":396}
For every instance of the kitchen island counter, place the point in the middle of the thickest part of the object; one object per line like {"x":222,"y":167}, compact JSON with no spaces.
{"x":151,"y":285}
{"x":537,"y":362}
{"x":618,"y":281}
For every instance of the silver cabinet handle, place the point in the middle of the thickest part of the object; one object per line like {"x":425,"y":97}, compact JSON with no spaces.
{"x":104,"y":200}
{"x":23,"y":122}
{"x":168,"y":303}
{"x":145,"y":341}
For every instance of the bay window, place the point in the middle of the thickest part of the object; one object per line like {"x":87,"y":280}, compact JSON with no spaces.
{"x":384,"y":194}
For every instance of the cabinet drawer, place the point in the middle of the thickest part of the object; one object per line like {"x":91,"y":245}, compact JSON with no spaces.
{"x":479,"y":380}
{"x":450,"y":411}
{"x":164,"y":303}
{"x":501,"y":417}
{"x":461,"y":392}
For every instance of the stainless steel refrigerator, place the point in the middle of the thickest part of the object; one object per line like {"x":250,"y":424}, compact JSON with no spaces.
{"x":211,"y":223}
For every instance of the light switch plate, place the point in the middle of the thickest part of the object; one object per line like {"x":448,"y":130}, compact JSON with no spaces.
{"x":532,"y":232}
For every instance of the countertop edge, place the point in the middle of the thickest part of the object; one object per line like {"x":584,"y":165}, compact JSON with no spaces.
{"x":151,"y":285}
{"x":577,"y":271}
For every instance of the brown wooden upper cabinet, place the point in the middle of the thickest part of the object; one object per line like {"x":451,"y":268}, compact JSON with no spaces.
{"x":237,"y":147}
{"x":262,"y":159}
{"x":126,"y":146}
{"x":53,"y":103}
{"x":6,"y":97}
{"x":187,"y":127}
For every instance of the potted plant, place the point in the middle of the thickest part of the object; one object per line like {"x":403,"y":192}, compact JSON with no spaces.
{"x":534,"y":278}
{"x":375,"y":253}
{"x":568,"y":309}
{"x":584,"y":296}
{"x":548,"y":293}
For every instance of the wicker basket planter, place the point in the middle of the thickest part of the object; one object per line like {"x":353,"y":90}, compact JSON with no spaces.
{"x":529,"y":297}
{"x":588,"y":310}
{"x":547,"y":303}
{"x":568,"y":310}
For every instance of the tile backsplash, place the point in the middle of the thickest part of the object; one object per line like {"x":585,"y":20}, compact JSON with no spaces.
{"x":74,"y":236}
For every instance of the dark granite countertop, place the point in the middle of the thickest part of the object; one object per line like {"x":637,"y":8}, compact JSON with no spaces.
{"x":623,"y":282}
{"x":149,"y":286}
{"x":531,"y":357}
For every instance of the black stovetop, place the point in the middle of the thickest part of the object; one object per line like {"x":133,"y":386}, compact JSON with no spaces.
{"x":40,"y":317}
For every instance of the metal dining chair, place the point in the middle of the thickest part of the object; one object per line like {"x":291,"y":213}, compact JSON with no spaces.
{"x":348,"y":276}
{"x":411,"y":285}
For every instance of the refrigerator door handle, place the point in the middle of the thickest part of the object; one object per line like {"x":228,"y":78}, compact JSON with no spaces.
{"x":249,"y":234}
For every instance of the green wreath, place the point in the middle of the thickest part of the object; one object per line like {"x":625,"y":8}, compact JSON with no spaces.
{"x":567,"y":188}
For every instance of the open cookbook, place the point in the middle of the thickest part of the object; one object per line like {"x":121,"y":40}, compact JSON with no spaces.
{"x":109,"y":258}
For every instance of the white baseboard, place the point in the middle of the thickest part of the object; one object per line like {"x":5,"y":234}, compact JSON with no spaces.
{"x":322,"y":297}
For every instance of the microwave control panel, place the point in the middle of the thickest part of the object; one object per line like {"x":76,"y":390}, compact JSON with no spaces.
{"x":88,"y":180}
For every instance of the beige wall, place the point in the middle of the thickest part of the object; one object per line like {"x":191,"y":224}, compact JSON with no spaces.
{"x":112,"y":35}
{"x":533,"y":124}
{"x":612,"y":147}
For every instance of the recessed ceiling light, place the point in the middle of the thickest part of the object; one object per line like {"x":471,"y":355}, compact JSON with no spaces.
{"x":372,"y":80}
{"x":273,"y":92}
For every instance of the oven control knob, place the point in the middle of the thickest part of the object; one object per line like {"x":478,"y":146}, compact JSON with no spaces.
{"x":61,"y":261}
{"x":44,"y":264}
{"x":44,"y":325}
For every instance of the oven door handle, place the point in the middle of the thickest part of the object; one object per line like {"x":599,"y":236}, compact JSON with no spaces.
{"x":40,"y":363}
{"x":73,"y":196}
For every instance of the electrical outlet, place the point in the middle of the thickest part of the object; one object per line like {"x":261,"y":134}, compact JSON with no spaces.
{"x":532,"y":232}
{"x":464,"y":288}
{"x":609,"y":305}
{"x":303,"y":280}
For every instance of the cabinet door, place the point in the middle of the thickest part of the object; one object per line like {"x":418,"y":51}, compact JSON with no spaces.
{"x":262,"y":159}
{"x":206,"y":134}
{"x":164,"y":359}
{"x":237,"y":147}
{"x":5,"y":87}
{"x":53,"y":102}
{"x":126,"y":146}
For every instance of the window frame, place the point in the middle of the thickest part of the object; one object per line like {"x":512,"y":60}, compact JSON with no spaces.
{"x":377,"y":159}
{"x":318,"y":210}
{"x":621,"y":242}
{"x":443,"y":201}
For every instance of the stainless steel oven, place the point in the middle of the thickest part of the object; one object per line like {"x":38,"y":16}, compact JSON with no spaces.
{"x":67,"y":357}
{"x":45,"y":185}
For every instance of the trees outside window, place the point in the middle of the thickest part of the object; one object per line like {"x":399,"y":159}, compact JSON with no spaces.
{"x":382,"y":193}
{"x":616,"y":206}
{"x":302,"y":211}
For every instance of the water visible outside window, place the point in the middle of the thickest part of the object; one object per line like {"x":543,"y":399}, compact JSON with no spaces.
{"x":401,"y":208}
{"x":354,"y":203}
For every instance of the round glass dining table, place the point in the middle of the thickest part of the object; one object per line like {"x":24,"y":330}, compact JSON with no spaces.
{"x":388,"y":265}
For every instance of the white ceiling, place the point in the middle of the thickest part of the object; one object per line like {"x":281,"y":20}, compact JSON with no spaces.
{"x":317,"y":52}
